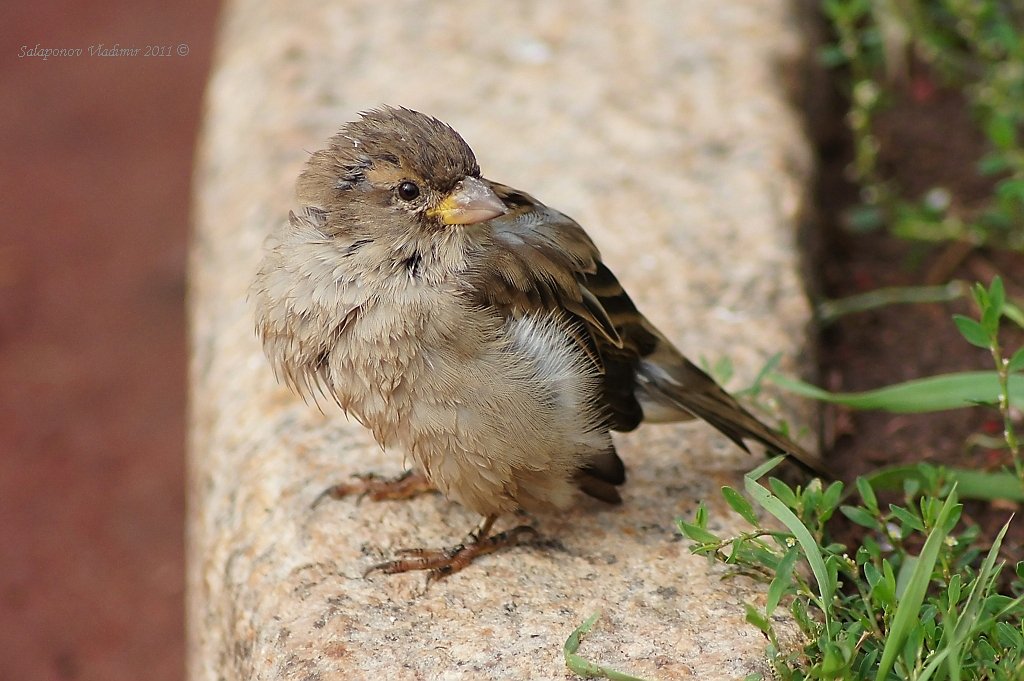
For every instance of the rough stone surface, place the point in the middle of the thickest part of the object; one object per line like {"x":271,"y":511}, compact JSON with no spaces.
{"x":666,"y":129}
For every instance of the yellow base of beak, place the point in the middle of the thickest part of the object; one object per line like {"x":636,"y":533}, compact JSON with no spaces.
{"x":471,"y":201}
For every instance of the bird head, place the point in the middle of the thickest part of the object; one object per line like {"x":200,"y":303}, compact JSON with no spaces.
{"x":398,"y":162}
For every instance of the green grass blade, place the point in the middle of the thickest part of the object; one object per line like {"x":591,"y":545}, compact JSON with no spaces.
{"x":588,"y":670}
{"x":936,"y":393}
{"x":831,"y":310}
{"x":970,"y":484}
{"x":909,"y":607}
{"x":773,"y":505}
{"x":970,"y":621}
{"x":973,"y":608}
{"x":934,"y":662}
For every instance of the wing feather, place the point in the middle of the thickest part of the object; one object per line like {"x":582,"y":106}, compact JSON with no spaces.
{"x":545,"y":262}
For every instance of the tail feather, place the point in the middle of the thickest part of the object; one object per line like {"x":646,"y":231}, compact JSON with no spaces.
{"x":601,"y":475}
{"x":678,"y":390}
{"x":644,"y":377}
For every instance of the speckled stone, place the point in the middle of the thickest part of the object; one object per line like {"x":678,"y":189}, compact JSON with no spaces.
{"x":667,"y":129}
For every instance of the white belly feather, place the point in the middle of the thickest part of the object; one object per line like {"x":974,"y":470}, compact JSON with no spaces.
{"x":498,"y":413}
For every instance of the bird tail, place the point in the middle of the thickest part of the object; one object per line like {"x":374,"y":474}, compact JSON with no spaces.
{"x":671,"y":388}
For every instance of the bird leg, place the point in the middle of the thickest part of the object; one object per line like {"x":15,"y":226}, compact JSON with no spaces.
{"x":439,"y":562}
{"x":448,"y":561}
{"x":407,"y":485}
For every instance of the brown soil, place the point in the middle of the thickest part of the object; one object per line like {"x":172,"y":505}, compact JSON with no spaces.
{"x":928,"y":141}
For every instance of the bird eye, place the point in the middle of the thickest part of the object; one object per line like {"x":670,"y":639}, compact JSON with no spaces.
{"x":407,"y":191}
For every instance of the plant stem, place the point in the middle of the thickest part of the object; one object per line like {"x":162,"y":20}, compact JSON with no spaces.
{"x":1003,"y":370}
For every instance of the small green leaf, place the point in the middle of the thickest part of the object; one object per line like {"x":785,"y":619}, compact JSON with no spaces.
{"x":833,"y":662}
{"x":997,"y":294}
{"x":723,"y":370}
{"x":883,"y":584}
{"x":802,"y":617}
{"x":868,"y":551}
{"x":830,"y":498}
{"x":783,"y":492}
{"x":907,"y":518}
{"x":700,"y":518}
{"x":1016,"y":362}
{"x":831,"y":57}
{"x":739,"y":504}
{"x":996,"y":602}
{"x":860,"y":516}
{"x":832,"y":564}
{"x":990,"y":319}
{"x":1001,"y":131}
{"x":872,"y":575}
{"x":953,"y":590}
{"x":864,"y":219}
{"x":993,"y":163}
{"x":972,"y":331}
{"x":582,"y":667}
{"x":757,"y":618}
{"x":1011,"y":190}
{"x":782,"y":582}
{"x":696,"y":533}
{"x":1008,"y":637}
{"x":980,"y":294}
{"x":867,"y":494}
{"x":993,"y":310}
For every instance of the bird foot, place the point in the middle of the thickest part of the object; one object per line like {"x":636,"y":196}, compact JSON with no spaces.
{"x":379,"y":488}
{"x":447,"y":561}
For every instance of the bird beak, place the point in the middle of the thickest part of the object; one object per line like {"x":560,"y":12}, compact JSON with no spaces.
{"x":471,"y":201}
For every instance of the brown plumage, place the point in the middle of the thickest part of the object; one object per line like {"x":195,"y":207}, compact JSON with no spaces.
{"x":471,"y":325}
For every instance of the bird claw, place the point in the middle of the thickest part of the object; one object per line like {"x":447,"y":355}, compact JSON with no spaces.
{"x":378,"y":487}
{"x":443,"y":562}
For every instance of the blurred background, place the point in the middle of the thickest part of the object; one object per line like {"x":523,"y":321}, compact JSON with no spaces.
{"x":95,"y":167}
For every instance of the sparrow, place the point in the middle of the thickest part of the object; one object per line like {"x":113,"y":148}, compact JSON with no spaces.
{"x":473,"y":327}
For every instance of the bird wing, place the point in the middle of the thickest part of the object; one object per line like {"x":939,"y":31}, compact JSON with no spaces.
{"x":545,"y":261}
{"x":542,"y":261}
